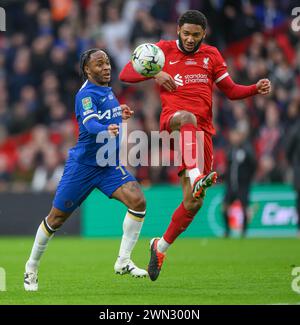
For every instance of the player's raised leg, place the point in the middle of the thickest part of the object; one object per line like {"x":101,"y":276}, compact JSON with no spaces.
{"x":181,"y":219}
{"x":132,"y":196}
{"x":195,"y":150}
{"x":44,"y":233}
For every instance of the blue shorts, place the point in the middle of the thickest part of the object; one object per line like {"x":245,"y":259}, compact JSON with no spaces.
{"x":79,"y":180}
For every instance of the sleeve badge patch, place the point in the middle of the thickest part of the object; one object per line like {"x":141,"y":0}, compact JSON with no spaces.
{"x":87,"y":103}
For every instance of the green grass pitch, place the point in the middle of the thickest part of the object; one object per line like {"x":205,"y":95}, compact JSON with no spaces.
{"x":196,"y":271}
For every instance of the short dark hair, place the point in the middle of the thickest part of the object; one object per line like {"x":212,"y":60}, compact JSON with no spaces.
{"x":84,"y":60}
{"x":195,"y":17}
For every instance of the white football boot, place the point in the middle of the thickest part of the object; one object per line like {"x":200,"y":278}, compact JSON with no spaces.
{"x":30,"y":281}
{"x":130,"y":268}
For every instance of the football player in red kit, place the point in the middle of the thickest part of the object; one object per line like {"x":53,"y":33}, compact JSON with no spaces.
{"x":186,"y":81}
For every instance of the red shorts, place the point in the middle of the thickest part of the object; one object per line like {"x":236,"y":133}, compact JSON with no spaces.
{"x":207,"y":146}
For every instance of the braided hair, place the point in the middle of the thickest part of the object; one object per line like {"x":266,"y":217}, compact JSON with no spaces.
{"x":84,"y":60}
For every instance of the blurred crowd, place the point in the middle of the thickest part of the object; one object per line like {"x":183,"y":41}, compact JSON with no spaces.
{"x":39,"y":76}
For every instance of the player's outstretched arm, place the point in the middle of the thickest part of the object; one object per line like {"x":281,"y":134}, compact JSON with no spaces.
{"x":236,"y":91}
{"x":128,"y":74}
{"x":126,"y":112}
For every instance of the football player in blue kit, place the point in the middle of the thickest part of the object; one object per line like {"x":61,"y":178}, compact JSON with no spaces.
{"x":99,"y":116}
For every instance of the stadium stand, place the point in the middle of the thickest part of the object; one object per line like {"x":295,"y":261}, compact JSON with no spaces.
{"x":39,"y":77}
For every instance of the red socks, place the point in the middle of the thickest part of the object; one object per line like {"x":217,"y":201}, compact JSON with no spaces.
{"x":180,"y":221}
{"x":192,"y":151}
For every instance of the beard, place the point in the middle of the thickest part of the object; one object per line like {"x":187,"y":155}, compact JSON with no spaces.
{"x":196,"y":47}
{"x":100,"y":80}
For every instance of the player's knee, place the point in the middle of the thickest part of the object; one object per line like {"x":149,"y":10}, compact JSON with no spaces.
{"x":181,"y":118}
{"x":187,"y":118}
{"x":138,"y":203}
{"x":55,"y":221}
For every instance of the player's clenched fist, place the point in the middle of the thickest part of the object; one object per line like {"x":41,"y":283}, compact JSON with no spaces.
{"x":263,"y":86}
{"x":113,"y":130}
{"x":126,"y":112}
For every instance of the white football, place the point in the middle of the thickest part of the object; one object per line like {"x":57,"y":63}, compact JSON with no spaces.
{"x":148,"y":59}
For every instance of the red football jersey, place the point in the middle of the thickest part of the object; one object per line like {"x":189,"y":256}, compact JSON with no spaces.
{"x":194,"y":75}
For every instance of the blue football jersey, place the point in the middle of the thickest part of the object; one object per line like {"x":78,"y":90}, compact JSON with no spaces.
{"x":99,"y":102}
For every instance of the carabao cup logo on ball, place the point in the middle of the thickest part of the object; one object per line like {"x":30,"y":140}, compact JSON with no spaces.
{"x":148,"y":59}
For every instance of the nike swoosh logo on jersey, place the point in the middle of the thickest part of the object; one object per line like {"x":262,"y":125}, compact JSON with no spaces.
{"x":173,"y":62}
